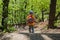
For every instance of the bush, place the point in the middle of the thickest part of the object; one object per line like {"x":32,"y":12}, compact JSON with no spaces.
{"x":11,"y":29}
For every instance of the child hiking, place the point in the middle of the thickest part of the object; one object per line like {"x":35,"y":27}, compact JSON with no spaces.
{"x":31,"y":21}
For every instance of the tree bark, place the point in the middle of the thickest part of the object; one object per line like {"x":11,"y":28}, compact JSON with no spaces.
{"x":5,"y":13}
{"x":52,"y":13}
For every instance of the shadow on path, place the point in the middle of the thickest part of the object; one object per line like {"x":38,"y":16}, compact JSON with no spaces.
{"x":38,"y":36}
{"x":34,"y":36}
{"x":53,"y":36}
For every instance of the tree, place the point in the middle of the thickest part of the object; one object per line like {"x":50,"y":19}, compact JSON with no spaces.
{"x":5,"y":13}
{"x":52,"y":13}
{"x":42,"y":15}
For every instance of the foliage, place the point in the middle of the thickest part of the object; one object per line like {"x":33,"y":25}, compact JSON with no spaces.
{"x":11,"y":29}
{"x":19,"y":9}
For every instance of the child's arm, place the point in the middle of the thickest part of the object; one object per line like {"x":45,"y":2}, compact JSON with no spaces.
{"x":34,"y":18}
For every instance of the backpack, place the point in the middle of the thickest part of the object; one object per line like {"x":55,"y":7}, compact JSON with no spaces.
{"x":30,"y":19}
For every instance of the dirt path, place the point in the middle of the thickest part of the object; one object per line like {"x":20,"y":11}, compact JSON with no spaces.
{"x":38,"y":36}
{"x":31,"y":36}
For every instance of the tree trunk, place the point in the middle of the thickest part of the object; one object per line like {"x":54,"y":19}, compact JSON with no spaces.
{"x":5,"y":13}
{"x":52,"y":13}
{"x":42,"y":15}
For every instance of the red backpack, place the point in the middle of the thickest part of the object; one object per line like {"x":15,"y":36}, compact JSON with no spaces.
{"x":30,"y":19}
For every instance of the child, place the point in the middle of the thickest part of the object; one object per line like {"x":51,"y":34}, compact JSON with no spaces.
{"x":31,"y":21}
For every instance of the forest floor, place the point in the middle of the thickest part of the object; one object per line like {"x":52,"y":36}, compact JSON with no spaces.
{"x":41,"y":28}
{"x":41,"y":33}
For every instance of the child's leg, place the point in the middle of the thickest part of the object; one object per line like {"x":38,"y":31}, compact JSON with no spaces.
{"x":32,"y":29}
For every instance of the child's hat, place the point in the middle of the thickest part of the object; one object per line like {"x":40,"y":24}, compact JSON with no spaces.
{"x":31,"y":12}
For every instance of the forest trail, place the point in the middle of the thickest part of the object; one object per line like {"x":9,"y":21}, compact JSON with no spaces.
{"x":43,"y":36}
{"x":31,"y":36}
{"x":41,"y":33}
